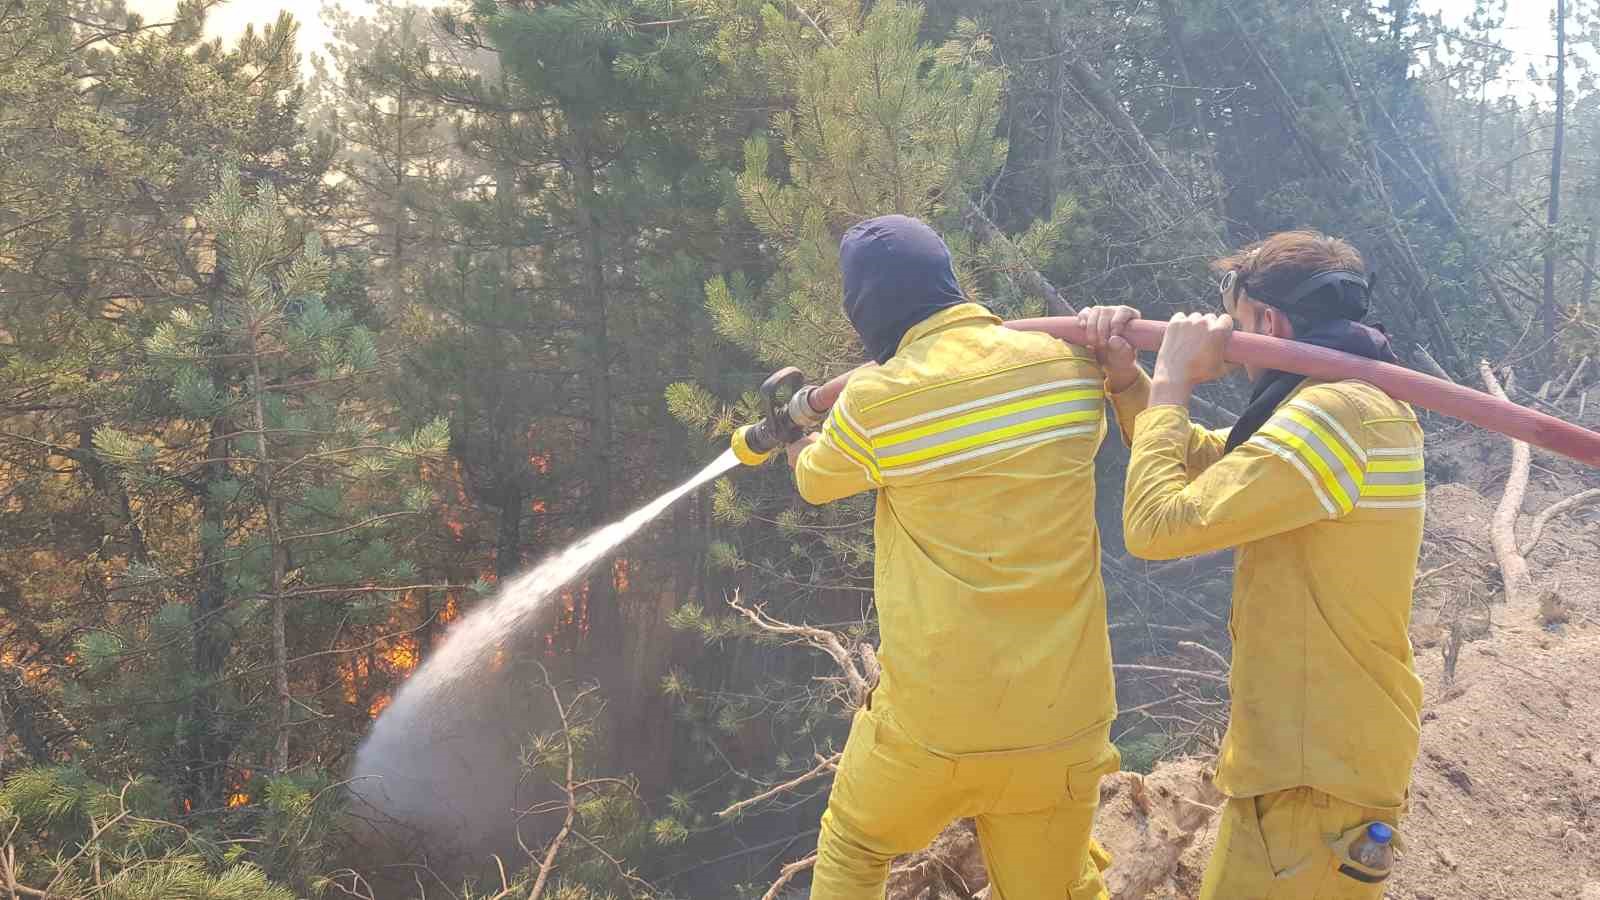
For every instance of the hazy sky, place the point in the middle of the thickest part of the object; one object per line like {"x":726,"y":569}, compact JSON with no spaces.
{"x":1527,"y":30}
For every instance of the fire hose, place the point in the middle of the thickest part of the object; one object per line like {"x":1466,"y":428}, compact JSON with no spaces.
{"x":788,"y":419}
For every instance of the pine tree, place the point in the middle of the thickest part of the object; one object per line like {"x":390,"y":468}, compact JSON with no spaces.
{"x":315,"y":479}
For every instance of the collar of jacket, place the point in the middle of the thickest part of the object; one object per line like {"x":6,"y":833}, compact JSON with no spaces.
{"x":960,"y":314}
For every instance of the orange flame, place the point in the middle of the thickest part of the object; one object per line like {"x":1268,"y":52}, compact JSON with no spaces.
{"x":540,"y":462}
{"x":237,"y":800}
{"x":353,"y":674}
{"x":537,"y":506}
{"x":379,"y":705}
{"x":403,"y":656}
{"x":451,"y":611}
{"x":619,"y":575}
{"x":187,"y":806}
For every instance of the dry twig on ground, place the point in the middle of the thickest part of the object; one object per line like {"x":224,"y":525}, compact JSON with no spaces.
{"x":1536,"y":530}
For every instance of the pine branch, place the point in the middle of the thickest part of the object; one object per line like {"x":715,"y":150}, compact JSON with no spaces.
{"x":823,"y":767}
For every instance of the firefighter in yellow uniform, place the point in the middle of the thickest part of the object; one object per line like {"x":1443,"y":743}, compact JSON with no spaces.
{"x":1320,"y":490}
{"x":996,"y":697}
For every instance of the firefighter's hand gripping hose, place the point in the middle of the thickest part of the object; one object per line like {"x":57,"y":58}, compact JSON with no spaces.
{"x":786,"y":421}
{"x":806,"y":406}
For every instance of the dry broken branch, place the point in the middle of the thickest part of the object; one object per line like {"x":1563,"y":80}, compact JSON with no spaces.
{"x":824,"y":767}
{"x":1431,"y":365}
{"x":1536,"y":530}
{"x":1026,"y":276}
{"x":1576,"y":374}
{"x":820,"y":638}
{"x":787,"y":875}
{"x":1502,"y":528}
{"x":1202,"y":648}
{"x":548,"y":863}
{"x":1164,"y":670}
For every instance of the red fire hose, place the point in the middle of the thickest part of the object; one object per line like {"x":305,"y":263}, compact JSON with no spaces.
{"x":1466,"y":404}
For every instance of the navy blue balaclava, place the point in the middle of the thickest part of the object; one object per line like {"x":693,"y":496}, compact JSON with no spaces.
{"x":897,"y":272}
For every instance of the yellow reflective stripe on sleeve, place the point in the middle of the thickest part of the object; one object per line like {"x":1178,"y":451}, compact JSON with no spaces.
{"x":849,"y":441}
{"x":1292,"y":457}
{"x":1395,"y":465}
{"x":1338,"y":481}
{"x":990,"y":429}
{"x":1396,"y":479}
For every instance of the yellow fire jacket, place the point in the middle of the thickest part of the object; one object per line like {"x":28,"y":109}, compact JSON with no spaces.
{"x":1324,"y":505}
{"x":980,"y":442}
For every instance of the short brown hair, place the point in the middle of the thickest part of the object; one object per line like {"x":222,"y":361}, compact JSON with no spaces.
{"x":1274,"y":267}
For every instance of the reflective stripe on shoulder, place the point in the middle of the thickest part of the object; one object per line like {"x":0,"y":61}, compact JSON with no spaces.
{"x":1292,"y":457}
{"x":1335,"y":463}
{"x":990,"y":424}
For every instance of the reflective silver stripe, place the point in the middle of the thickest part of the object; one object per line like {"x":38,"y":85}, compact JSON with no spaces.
{"x":1350,"y":443}
{"x":993,"y":448}
{"x":1417,"y":503}
{"x":889,"y":450}
{"x":1395,"y":451}
{"x":1288,"y":455}
{"x":1352,"y":488}
{"x":1414,"y":477}
{"x":982,"y":402}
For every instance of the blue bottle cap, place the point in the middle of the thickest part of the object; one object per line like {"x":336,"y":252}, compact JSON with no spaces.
{"x":1380,"y":833}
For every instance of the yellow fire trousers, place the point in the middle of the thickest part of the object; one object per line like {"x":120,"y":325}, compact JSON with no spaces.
{"x":1034,"y":811}
{"x":1281,"y":846}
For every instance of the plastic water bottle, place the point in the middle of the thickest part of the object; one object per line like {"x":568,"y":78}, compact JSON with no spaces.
{"x":1374,"y":849}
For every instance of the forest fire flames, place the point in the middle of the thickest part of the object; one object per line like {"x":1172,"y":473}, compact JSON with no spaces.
{"x":238,"y":796}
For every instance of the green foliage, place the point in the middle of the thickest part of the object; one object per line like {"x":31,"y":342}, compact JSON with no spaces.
{"x":432,"y":318}
{"x":1140,"y":754}
{"x":113,"y":846}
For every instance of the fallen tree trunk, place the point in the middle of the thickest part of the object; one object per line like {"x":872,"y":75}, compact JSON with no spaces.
{"x":1503,"y":527}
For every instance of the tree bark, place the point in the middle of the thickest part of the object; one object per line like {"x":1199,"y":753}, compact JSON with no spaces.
{"x":605,"y":619}
{"x":1173,"y":20}
{"x":212,"y":741}
{"x":508,"y":533}
{"x":507,"y":464}
{"x":1093,"y":87}
{"x":1479,"y":259}
{"x":1058,"y":65}
{"x":1587,"y":292}
{"x":1511,"y":152}
{"x":280,"y":640}
{"x":1503,"y":527}
{"x":1549,"y":353}
{"x":1380,"y":192}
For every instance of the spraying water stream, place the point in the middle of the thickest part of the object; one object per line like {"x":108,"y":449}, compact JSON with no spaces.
{"x":441,"y":760}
